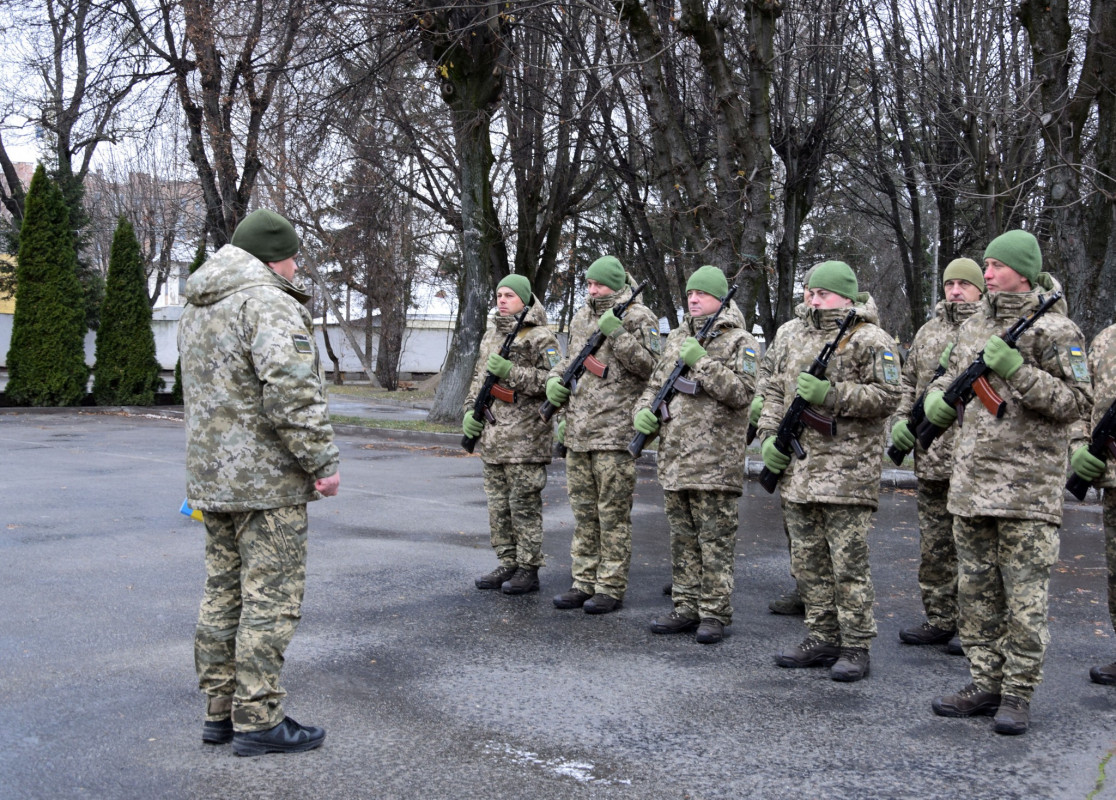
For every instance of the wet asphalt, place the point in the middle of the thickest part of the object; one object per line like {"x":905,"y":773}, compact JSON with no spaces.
{"x":429,"y":688}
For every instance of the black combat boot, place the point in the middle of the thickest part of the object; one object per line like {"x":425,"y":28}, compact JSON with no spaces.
{"x":926,"y":634}
{"x":602,"y":604}
{"x":812,"y":652}
{"x":286,"y":737}
{"x":496,"y":578}
{"x":525,"y":579}
{"x":673,"y":623}
{"x":574,"y":598}
{"x":969,"y":702}
{"x":710,"y":631}
{"x":1013,"y":717}
{"x":852,"y":665}
{"x":953,"y":646}
{"x":789,"y":604}
{"x":218,"y":731}
{"x":1105,"y":675}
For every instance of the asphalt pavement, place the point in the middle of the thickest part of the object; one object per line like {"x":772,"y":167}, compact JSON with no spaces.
{"x":431,"y":689}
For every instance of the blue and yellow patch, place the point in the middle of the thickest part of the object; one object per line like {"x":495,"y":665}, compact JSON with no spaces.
{"x":302,"y":343}
{"x":748,"y":361}
{"x":553,"y":356}
{"x":890,"y":367}
{"x":654,"y":341}
{"x":1078,"y":365}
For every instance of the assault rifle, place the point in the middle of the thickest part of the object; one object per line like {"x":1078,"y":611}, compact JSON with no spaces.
{"x":914,"y":419}
{"x":1102,"y":444}
{"x":799,"y":414}
{"x":974,"y":380}
{"x":490,"y":389}
{"x":587,"y":358}
{"x":677,"y":382}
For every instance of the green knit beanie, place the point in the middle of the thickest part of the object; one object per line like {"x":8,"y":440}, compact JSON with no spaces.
{"x":836,"y":277}
{"x":1020,"y":251}
{"x":609,"y":271}
{"x":964,"y":269}
{"x":518,"y":284}
{"x":710,"y":280}
{"x":267,"y":236}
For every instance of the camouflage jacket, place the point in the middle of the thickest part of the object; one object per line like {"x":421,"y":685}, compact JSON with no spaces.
{"x":257,"y":423}
{"x":776,"y":351}
{"x":865,"y":376}
{"x":519,"y":435}
{"x":699,"y":448}
{"x":1015,"y":467}
{"x":929,"y":343}
{"x":1102,"y":366}
{"x":598,"y":414}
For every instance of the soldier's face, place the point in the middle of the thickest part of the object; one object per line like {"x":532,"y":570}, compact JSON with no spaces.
{"x":701,"y":304}
{"x":508,"y":302}
{"x":598,"y":289}
{"x":285,"y":268}
{"x":999,"y":277}
{"x":823,"y":298}
{"x":959,"y":291}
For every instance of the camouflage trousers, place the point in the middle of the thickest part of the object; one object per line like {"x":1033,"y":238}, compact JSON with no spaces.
{"x":702,"y":551}
{"x":514,"y":493}
{"x":255,"y":563}
{"x":601,"y":484}
{"x":1003,"y":586}
{"x":1109,"y":504}
{"x":829,"y":558}
{"x":937,"y":566}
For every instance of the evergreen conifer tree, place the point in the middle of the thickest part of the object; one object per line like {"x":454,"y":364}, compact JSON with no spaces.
{"x":46,"y":359}
{"x":126,"y":372}
{"x":199,"y":259}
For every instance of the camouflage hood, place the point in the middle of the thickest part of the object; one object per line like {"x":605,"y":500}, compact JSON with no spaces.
{"x":232,"y":270}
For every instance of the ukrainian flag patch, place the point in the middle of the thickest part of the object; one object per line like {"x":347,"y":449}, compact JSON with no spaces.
{"x":748,"y":361}
{"x":1078,"y":365}
{"x":553,"y":356}
{"x":890,"y":367}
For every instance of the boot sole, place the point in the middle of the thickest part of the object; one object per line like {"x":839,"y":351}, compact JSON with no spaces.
{"x":844,"y":677}
{"x":791,"y":663}
{"x":956,"y":713}
{"x":661,"y":629}
{"x":528,"y":590}
{"x":1009,"y":729}
{"x":250,"y":749}
{"x":914,"y":640}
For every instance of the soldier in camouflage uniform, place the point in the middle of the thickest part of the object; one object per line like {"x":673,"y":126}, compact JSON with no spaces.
{"x":600,"y":471}
{"x":259,"y":446}
{"x":516,"y":447}
{"x":830,"y":495}
{"x":1102,"y":366}
{"x":1008,"y":480}
{"x":963,"y":285}
{"x":699,"y":465}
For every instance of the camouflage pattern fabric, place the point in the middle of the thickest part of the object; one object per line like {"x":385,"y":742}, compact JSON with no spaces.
{"x":1102,"y":367}
{"x":257,"y":424}
{"x":1003,"y":583}
{"x":829,"y":556}
{"x":1015,"y":467}
{"x":519,"y":435}
{"x":929,"y":343}
{"x":776,"y":351}
{"x":700,"y":447}
{"x":865,"y":376}
{"x":599,"y":413}
{"x":601,"y":484}
{"x":702,"y":551}
{"x":255,"y":575}
{"x":937,"y":566}
{"x":514,"y":493}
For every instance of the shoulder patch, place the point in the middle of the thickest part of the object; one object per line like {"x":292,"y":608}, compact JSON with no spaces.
{"x":654,"y":341}
{"x":890,"y":367}
{"x":302,"y":343}
{"x":553,"y":356}
{"x":1078,"y":364}
{"x":748,"y":361}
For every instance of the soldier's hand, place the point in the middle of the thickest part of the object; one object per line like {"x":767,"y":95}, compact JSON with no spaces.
{"x":471,"y":426}
{"x":774,"y":460}
{"x":556,"y":393}
{"x":1002,"y":358}
{"x":938,"y":410}
{"x":646,"y":422}
{"x":562,"y":432}
{"x":943,"y":359}
{"x":812,"y":390}
{"x":755,"y":409}
{"x":499,"y":366}
{"x":1085,"y":464}
{"x":609,"y":322}
{"x":902,"y":437}
{"x":691,"y":351}
{"x":327,"y":487}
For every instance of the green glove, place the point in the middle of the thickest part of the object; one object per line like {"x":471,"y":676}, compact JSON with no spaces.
{"x":646,"y":422}
{"x":902,"y":437}
{"x":938,"y":410}
{"x":812,"y":390}
{"x":755,"y":409}
{"x":471,"y":426}
{"x":691,"y":351}
{"x":562,"y":432}
{"x":772,"y":459}
{"x":556,"y":393}
{"x":499,"y":366}
{"x":609,"y":322}
{"x":1085,"y":464}
{"x":943,"y":359}
{"x":1001,"y":358}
